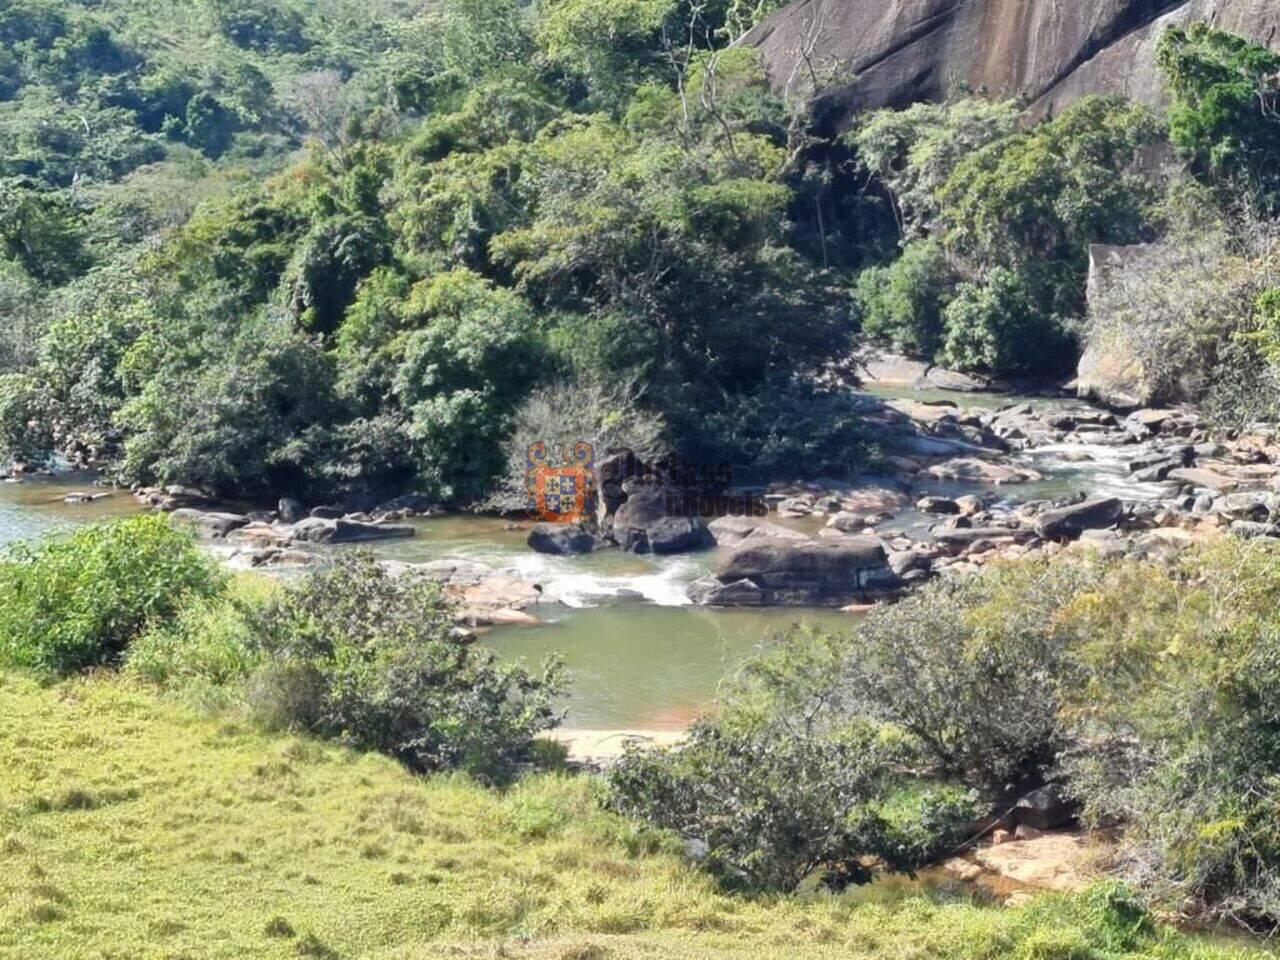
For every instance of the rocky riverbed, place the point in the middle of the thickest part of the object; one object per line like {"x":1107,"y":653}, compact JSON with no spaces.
{"x":960,"y":485}
{"x":1184,"y":483}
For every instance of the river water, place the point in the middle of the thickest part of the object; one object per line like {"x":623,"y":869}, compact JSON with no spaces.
{"x":639,"y":656}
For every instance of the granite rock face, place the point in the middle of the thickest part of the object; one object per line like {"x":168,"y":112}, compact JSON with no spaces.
{"x":891,"y":53}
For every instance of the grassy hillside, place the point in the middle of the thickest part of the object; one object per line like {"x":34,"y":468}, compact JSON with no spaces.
{"x":132,"y":828}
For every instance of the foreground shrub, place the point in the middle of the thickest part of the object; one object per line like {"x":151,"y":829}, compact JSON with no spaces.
{"x":1177,"y":736}
{"x":782,"y":785}
{"x":973,"y":670}
{"x":1146,"y":692}
{"x":355,"y":653}
{"x":774,"y":808}
{"x":80,"y":601}
{"x":210,"y":643}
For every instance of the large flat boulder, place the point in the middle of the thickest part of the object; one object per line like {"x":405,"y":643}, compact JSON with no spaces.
{"x":974,"y":470}
{"x":210,"y":523}
{"x":731,"y":531}
{"x":1206,"y":478}
{"x":320,"y":530}
{"x":789,"y":572}
{"x":1067,"y":523}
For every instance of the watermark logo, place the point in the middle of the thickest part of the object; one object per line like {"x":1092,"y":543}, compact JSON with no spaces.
{"x":564,"y":492}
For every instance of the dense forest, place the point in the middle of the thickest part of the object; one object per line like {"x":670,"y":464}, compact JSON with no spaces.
{"x":322,"y":248}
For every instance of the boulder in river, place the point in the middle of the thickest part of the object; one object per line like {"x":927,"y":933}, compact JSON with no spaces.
{"x":290,"y":510}
{"x":562,"y":539}
{"x":937,"y":505}
{"x":211,"y":524}
{"x":731,"y":531}
{"x":846,"y":522}
{"x":873,"y":500}
{"x":1204,"y":477}
{"x":320,"y":530}
{"x":940,"y":378}
{"x":789,"y":572}
{"x":1067,"y":523}
{"x":653,"y":521}
{"x":983,"y":471}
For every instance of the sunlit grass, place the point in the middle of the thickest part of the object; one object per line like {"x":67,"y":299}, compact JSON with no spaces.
{"x":132,"y":828}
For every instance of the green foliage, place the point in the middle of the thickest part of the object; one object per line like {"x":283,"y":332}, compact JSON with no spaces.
{"x":1013,"y":212}
{"x":472,"y":355}
{"x":1225,"y":92}
{"x":1178,"y":717}
{"x":772,"y":807}
{"x":356,"y":653}
{"x":40,"y":232}
{"x":481,"y":37}
{"x":248,"y":415}
{"x":994,"y":327}
{"x":782,"y":787}
{"x":914,"y":151}
{"x":611,"y":44}
{"x":209,"y":644}
{"x":781,"y":429}
{"x":80,"y":601}
{"x":903,"y":303}
{"x":1048,"y":193}
{"x":22,"y":438}
{"x":454,"y":865}
{"x":1147,"y":693}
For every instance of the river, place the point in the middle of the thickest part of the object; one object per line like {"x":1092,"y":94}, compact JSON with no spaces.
{"x":639,"y":656}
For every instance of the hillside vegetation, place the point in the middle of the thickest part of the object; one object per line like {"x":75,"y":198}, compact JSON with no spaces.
{"x":345,"y":249}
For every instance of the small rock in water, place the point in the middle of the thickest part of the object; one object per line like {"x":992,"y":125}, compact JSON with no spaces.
{"x":937,"y":505}
{"x":80,"y":497}
{"x":562,"y":539}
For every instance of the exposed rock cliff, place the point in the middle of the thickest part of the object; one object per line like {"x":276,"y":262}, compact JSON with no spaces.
{"x":1046,"y":52}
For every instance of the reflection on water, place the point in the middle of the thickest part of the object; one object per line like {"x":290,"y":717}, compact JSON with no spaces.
{"x":637,"y":666}
{"x":36,"y":507}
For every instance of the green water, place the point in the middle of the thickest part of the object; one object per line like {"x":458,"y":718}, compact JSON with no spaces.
{"x":34,"y":508}
{"x":640,"y":666}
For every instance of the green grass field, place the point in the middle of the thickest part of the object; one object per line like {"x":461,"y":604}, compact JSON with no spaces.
{"x":132,"y":828}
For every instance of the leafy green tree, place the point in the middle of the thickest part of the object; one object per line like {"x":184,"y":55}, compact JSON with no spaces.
{"x":1045,"y":194}
{"x":248,"y":416}
{"x":328,"y":266}
{"x":612,"y":44}
{"x":470,"y":354}
{"x":42,"y":231}
{"x":483,"y":37}
{"x":913,"y":152}
{"x":1225,"y":113}
{"x":995,"y":327}
{"x":902,"y":303}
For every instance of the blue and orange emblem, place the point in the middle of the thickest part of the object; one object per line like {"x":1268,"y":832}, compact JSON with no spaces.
{"x":564,"y":493}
